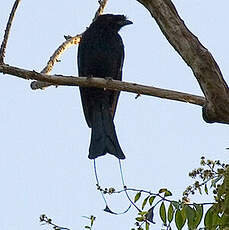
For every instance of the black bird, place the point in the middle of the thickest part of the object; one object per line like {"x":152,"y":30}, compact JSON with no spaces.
{"x":101,"y":54}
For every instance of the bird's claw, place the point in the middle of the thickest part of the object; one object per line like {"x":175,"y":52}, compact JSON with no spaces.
{"x":90,"y":76}
{"x":109,"y":78}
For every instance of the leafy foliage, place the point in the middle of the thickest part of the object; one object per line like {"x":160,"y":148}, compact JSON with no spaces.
{"x":211,"y":177}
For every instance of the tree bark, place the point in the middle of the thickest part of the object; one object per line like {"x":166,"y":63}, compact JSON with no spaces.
{"x":102,"y":83}
{"x":196,"y":56}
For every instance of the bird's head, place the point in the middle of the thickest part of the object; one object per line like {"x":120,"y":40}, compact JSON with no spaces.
{"x":115,"y":22}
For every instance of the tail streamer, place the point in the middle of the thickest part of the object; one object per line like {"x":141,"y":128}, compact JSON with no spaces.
{"x":107,"y":209}
{"x":124,"y":187}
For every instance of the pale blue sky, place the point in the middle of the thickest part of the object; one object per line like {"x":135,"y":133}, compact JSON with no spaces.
{"x":44,"y":138}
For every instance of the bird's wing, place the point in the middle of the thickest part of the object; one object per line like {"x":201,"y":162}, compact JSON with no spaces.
{"x":99,"y":59}
{"x":82,"y":71}
{"x":119,"y":65}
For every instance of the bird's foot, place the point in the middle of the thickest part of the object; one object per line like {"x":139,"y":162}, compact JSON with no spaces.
{"x":90,"y":76}
{"x":108,"y":78}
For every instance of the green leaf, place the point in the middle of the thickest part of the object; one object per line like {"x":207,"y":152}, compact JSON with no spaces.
{"x":87,"y":227}
{"x":211,"y":219}
{"x":168,"y":193}
{"x":213,"y":184}
{"x":92,"y":220}
{"x":162,"y":190}
{"x":144,"y":202}
{"x":137,"y":196}
{"x":208,"y":219}
{"x":151,"y":199}
{"x":142,"y":213}
{"x":170,"y":213}
{"x":176,"y":204}
{"x":162,"y":212}
{"x":180,"y":219}
{"x":140,"y":218}
{"x":147,"y":225}
{"x":206,"y":189}
{"x":190,"y":214}
{"x":225,"y":220}
{"x":199,"y":189}
{"x":165,"y":191}
{"x":216,"y":220}
{"x":199,"y":214}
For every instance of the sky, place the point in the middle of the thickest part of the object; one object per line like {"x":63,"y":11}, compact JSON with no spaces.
{"x":44,"y":138}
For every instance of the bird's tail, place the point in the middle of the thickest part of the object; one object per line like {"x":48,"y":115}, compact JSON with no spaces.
{"x":103,"y":135}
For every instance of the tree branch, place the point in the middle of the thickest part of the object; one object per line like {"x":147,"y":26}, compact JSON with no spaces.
{"x":60,"y":50}
{"x":205,"y":69}
{"x":53,"y":59}
{"x":102,"y":5}
{"x":70,"y":41}
{"x":102,"y":83}
{"x":196,"y":56}
{"x":7,"y":31}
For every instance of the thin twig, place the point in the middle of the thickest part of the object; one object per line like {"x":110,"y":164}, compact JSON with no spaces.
{"x":7,"y":31}
{"x":45,"y":220}
{"x":158,"y":195}
{"x":103,"y":83}
{"x":55,"y":57}
{"x":70,"y":41}
{"x":102,"y":5}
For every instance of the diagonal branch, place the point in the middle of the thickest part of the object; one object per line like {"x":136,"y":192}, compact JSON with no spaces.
{"x":103,"y":83}
{"x":202,"y":63}
{"x":102,"y":5}
{"x":60,"y":50}
{"x":53,"y":59}
{"x":7,"y":31}
{"x":70,"y":41}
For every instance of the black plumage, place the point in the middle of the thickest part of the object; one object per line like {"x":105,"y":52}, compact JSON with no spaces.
{"x":101,"y":54}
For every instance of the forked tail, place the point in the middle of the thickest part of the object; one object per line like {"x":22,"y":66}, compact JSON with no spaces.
{"x":103,"y":135}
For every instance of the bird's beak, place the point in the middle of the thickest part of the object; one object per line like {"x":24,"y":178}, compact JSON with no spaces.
{"x":125,"y":22}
